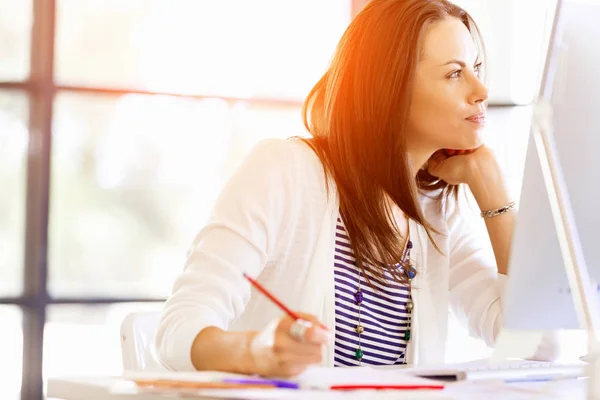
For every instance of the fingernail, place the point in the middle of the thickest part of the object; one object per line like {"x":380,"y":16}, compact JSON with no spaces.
{"x":330,"y":338}
{"x":322,"y":335}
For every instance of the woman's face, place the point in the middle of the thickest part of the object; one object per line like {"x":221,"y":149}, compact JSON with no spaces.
{"x":449,"y":100}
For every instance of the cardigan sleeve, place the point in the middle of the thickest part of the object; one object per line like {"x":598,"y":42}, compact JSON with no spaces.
{"x":242,"y":235}
{"x":476,"y":287}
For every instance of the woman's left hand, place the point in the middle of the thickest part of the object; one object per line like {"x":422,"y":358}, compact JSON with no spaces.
{"x":479,"y":169}
{"x":461,"y":166}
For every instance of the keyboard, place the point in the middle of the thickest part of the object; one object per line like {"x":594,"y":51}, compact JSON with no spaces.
{"x":513,"y":370}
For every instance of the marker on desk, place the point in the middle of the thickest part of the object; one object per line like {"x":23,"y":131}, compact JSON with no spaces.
{"x":432,"y":386}
{"x":274,"y":299}
{"x":525,"y":380}
{"x":257,"y":381}
{"x":174,"y":385}
{"x":542,"y":378}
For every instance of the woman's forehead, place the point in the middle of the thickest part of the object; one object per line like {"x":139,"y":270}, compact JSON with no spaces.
{"x":448,"y":39}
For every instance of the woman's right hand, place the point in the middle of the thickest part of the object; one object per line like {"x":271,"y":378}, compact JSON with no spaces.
{"x":285,"y":348}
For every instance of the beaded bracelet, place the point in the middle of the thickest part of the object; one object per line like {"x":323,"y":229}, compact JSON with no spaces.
{"x":498,"y":211}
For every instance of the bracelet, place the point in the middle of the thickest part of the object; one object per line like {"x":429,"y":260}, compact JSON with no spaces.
{"x":498,"y":211}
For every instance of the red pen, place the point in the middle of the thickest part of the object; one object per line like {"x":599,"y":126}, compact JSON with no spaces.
{"x":275,"y":300}
{"x":432,"y":386}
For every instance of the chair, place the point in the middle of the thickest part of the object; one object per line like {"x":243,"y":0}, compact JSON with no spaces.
{"x":137,"y":342}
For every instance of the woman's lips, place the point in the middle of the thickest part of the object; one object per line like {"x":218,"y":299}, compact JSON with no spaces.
{"x":478,"y":119}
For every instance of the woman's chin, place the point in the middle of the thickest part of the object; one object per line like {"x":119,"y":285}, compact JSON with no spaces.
{"x":472,"y":143}
{"x":463,"y":147}
{"x":467,"y":141}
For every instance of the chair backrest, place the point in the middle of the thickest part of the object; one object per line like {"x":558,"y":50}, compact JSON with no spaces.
{"x":137,"y":342}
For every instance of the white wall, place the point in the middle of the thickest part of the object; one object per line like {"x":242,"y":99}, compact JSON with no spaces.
{"x":515,"y":33}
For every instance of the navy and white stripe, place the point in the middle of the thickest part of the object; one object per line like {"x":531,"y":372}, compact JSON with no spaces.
{"x":383,"y":313}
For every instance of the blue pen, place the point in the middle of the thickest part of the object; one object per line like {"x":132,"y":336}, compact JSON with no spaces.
{"x":524,"y":380}
{"x":541,"y":378}
{"x":258,"y":381}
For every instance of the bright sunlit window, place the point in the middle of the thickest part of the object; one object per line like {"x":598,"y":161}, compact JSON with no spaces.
{"x":156,"y":104}
{"x":232,"y":48}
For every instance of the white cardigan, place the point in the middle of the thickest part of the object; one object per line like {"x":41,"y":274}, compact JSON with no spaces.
{"x":276,"y":221}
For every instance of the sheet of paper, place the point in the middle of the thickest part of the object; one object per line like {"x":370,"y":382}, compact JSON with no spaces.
{"x":563,"y":390}
{"x":473,"y":364}
{"x":197,"y":376}
{"x":324,"y":377}
{"x":315,"y":377}
{"x":96,"y":388}
{"x":516,"y":344}
{"x":327,"y":395}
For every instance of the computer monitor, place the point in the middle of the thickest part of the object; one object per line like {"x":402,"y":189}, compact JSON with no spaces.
{"x":538,"y":297}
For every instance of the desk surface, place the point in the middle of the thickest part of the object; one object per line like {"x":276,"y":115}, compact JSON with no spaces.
{"x":103,"y":388}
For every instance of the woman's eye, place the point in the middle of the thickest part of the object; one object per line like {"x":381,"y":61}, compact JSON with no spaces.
{"x":478,"y":69}
{"x":455,"y":74}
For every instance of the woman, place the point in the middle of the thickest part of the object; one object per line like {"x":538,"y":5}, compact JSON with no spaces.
{"x":357,"y":226}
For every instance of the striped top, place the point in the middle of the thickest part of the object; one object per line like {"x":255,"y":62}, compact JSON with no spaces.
{"x":383,"y":313}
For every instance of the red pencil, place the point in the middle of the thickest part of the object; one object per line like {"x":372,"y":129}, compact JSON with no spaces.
{"x":276,"y":300}
{"x":432,"y":386}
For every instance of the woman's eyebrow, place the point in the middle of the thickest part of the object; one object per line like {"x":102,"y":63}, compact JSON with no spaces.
{"x":459,"y":62}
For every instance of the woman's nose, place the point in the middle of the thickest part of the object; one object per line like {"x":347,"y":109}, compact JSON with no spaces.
{"x":479,"y":93}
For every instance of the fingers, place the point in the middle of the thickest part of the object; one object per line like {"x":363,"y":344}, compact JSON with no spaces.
{"x":306,"y":330}
{"x":449,"y":152}
{"x":439,"y":157}
{"x":292,"y":357}
{"x":318,"y":336}
{"x":435,"y":162}
{"x":286,"y":344}
{"x":454,"y":152}
{"x":288,"y":370}
{"x":311,"y":318}
{"x":294,"y":345}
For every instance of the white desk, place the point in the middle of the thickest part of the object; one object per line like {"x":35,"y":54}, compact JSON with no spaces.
{"x":100,"y":388}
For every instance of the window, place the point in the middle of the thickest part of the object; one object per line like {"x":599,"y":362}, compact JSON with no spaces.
{"x":11,"y":349}
{"x":133,"y":179}
{"x":71,"y":328}
{"x":13,"y":152}
{"x":117,"y":129}
{"x":15,"y":31}
{"x":232,"y":48}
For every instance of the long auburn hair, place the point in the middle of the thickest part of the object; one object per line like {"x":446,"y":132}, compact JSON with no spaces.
{"x":357,"y":115}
